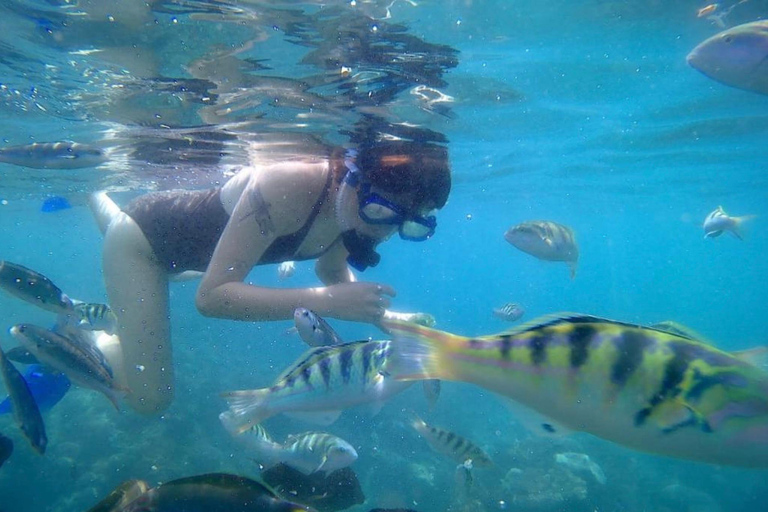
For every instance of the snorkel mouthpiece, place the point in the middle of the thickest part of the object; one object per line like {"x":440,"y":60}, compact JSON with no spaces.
{"x":361,"y":250}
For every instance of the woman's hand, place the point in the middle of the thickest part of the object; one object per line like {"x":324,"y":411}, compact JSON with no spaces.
{"x":358,"y":302}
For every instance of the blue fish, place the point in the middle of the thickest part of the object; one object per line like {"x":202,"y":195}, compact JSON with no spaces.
{"x":47,"y":386}
{"x":54,"y":204}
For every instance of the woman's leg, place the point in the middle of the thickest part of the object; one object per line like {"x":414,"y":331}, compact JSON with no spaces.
{"x":137,"y":287}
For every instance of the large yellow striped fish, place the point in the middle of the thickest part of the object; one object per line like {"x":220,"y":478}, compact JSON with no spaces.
{"x":641,"y":387}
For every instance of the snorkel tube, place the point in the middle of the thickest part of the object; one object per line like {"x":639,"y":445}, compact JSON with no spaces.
{"x":360,"y":247}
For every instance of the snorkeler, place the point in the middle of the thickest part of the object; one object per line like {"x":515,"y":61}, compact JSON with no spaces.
{"x":335,"y":209}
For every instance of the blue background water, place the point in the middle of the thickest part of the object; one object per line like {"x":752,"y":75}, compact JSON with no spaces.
{"x":580,"y":112}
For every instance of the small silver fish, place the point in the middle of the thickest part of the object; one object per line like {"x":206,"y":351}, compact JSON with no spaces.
{"x":737,"y":57}
{"x":53,"y":155}
{"x":83,"y":364}
{"x":509,"y":312}
{"x":25,"y":410}
{"x":313,"y":329}
{"x":718,"y":222}
{"x":546,"y":240}
{"x":33,"y":287}
{"x":450,"y":444}
{"x":95,"y":317}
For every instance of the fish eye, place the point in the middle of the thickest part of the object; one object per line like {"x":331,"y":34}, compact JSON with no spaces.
{"x":727,"y":39}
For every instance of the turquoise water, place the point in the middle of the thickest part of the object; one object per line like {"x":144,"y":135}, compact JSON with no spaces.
{"x":584,"y":113}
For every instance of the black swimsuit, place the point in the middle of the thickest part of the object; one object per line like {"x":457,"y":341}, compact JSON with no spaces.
{"x":184,"y":226}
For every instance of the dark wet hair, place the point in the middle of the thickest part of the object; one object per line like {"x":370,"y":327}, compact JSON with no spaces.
{"x":419,"y":169}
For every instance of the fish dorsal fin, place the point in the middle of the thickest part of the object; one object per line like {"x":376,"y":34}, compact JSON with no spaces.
{"x":548,"y":321}
{"x":757,"y":356}
{"x":678,"y":329}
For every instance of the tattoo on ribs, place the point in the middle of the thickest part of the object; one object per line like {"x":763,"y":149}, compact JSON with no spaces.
{"x":260,"y":211}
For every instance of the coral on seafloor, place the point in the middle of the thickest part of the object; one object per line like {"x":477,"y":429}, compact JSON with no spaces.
{"x":543,"y":488}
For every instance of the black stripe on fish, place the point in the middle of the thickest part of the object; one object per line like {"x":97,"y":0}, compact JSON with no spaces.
{"x":631,"y":346}
{"x":505,"y":345}
{"x":579,"y":340}
{"x":345,"y":364}
{"x":367,"y":355}
{"x":458,"y":444}
{"x":450,"y":438}
{"x":306,"y":375}
{"x":538,"y":347}
{"x":325,"y":371}
{"x":674,"y":372}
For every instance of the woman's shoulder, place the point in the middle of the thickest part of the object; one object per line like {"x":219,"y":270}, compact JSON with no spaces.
{"x":295,"y":184}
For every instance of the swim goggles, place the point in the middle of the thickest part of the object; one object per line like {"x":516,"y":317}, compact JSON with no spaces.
{"x":377,"y":210}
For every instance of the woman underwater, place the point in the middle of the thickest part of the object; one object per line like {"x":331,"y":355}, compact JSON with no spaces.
{"x":335,"y":210}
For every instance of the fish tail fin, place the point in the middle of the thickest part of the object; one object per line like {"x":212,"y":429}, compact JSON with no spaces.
{"x":572,"y":266}
{"x":419,"y":352}
{"x":246,"y":408}
{"x":104,"y":209}
{"x":738,"y":229}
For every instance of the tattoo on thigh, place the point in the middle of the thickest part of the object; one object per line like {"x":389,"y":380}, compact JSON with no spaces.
{"x":260,"y":211}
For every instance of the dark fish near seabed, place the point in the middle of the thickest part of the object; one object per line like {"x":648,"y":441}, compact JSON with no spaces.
{"x":509,"y":312}
{"x":546,"y":240}
{"x":313,"y":329}
{"x":82,"y":362}
{"x":53,"y":155}
{"x":215,"y":492}
{"x":737,"y":57}
{"x":25,"y":410}
{"x":339,"y":490}
{"x":6,"y":449}
{"x":33,"y":287}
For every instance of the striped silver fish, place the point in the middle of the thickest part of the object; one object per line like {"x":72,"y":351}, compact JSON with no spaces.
{"x":641,"y":387}
{"x":95,"y":317}
{"x":546,"y":240}
{"x":33,"y":287}
{"x":450,"y":444}
{"x":25,"y":410}
{"x":509,"y":312}
{"x":83,"y":364}
{"x":319,"y":385}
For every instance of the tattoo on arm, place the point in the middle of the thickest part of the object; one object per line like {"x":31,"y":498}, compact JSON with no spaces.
{"x":259,"y":209}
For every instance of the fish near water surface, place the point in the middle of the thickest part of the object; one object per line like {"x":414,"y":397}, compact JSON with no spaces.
{"x":737,"y":57}
{"x":53,"y":155}
{"x":25,"y":410}
{"x":547,"y":241}
{"x":719,"y":222}
{"x":319,"y":385}
{"x":640,"y":387}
